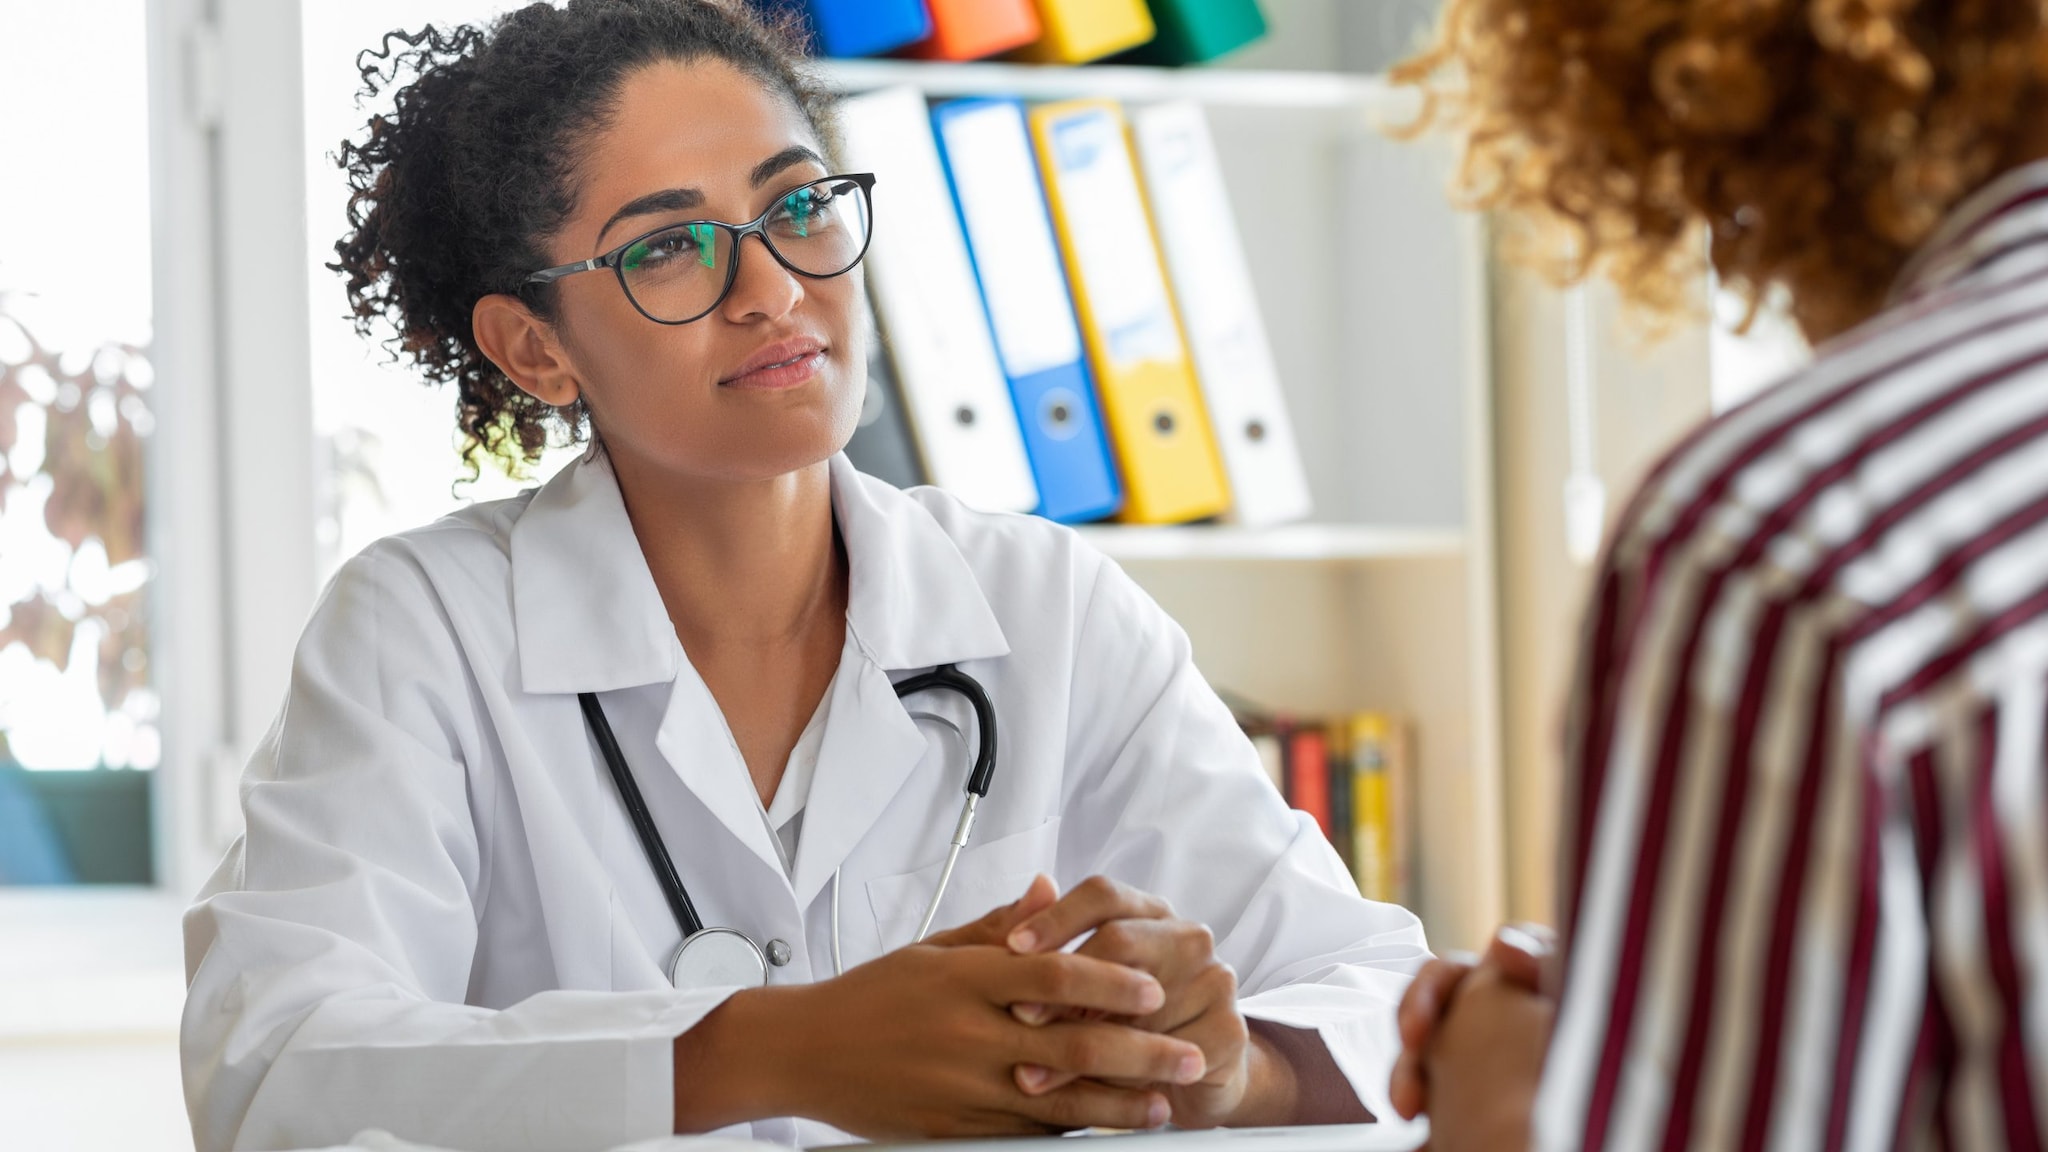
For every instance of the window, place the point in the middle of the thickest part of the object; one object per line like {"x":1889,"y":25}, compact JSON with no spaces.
{"x":78,"y":713}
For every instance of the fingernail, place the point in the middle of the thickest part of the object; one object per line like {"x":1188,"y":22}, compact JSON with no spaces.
{"x":1191,"y":1069}
{"x":1031,"y":1076}
{"x":1157,"y":1113}
{"x":1152,"y":997}
{"x":1023,"y":940}
{"x":1033,"y":1014}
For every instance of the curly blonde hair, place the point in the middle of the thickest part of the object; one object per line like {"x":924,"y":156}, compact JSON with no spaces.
{"x":1816,"y":143}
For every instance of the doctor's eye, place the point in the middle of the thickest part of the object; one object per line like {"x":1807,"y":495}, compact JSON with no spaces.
{"x":673,"y":249}
{"x":820,"y":229}
{"x":809,"y":210}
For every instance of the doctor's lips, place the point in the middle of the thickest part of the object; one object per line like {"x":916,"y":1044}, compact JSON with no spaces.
{"x":783,"y":364}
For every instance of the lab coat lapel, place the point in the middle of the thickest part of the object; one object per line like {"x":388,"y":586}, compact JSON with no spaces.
{"x":699,"y":747}
{"x":912,"y":603}
{"x":870,"y":747}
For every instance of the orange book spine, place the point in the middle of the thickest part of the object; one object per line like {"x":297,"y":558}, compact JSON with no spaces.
{"x":972,"y":29}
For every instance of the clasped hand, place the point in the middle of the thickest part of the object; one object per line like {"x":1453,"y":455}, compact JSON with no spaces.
{"x":1139,"y":932}
{"x":992,"y":1028}
{"x":1473,"y":1034}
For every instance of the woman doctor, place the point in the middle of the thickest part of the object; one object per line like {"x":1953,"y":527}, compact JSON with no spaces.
{"x":442,"y":921}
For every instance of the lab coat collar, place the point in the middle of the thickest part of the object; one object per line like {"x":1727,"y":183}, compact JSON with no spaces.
{"x":912,"y":601}
{"x":584,"y":606}
{"x":589,"y":618}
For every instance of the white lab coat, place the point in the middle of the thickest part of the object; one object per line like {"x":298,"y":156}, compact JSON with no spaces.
{"x":439,"y":922}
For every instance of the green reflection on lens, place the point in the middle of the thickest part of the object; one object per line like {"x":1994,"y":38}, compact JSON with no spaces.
{"x":798,"y":205}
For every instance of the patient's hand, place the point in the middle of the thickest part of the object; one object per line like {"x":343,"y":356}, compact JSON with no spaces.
{"x":1486,"y":1064}
{"x":1473,"y":1037}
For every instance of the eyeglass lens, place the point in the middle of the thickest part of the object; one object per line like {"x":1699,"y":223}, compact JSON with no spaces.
{"x":680,"y":273}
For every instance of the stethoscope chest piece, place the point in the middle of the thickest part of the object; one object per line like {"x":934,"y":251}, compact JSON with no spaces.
{"x":718,"y":958}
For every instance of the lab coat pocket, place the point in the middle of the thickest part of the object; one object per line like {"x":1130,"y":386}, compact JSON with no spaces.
{"x":986,"y":876}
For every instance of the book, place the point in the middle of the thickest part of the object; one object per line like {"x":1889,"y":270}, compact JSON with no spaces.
{"x":1308,"y":774}
{"x":1381,"y":840}
{"x":1146,"y":382}
{"x":1197,"y":31}
{"x":986,"y":147}
{"x":1337,"y":766}
{"x":882,"y":445}
{"x":855,"y":27}
{"x":1220,"y":314}
{"x":923,"y":287}
{"x":972,"y":29}
{"x":1077,"y":31}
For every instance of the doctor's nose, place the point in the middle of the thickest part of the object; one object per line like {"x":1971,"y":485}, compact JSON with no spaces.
{"x":762,"y":289}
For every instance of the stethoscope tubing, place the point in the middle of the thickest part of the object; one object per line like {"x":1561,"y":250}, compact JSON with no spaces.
{"x":643,"y":822}
{"x":982,"y":775}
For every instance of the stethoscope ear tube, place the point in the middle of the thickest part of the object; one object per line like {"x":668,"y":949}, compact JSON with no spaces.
{"x":643,"y":823}
{"x":951,"y":678}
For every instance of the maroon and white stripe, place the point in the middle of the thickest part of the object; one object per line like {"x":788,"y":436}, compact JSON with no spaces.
{"x":1806,"y":838}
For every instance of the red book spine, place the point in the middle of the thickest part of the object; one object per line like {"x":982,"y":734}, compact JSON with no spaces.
{"x":1308,"y":775}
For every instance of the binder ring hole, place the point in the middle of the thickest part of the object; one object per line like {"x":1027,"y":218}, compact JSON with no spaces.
{"x":1059,"y":414}
{"x":1255,"y":431}
{"x":965,"y":415}
{"x":1163,"y":422}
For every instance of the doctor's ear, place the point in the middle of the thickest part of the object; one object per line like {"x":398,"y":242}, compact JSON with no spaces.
{"x":525,"y":348}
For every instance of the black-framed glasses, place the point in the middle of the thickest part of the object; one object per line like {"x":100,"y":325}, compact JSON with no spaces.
{"x":680,"y":272}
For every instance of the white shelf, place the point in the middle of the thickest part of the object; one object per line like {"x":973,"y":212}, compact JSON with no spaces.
{"x":1294,"y":542}
{"x":1222,"y":86}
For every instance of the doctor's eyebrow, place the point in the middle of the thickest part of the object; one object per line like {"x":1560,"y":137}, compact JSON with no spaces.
{"x":679,"y":199}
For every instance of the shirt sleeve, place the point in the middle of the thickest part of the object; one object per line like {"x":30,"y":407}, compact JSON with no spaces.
{"x":1166,"y":794}
{"x":329,"y":956}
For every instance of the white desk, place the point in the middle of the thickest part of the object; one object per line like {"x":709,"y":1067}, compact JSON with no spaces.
{"x":1327,"y":1138}
{"x":1323,"y":1138}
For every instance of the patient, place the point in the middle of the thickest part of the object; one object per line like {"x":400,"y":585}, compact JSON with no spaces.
{"x":1805,"y":853}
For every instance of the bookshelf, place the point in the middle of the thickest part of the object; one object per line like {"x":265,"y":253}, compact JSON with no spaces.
{"x":1215,"y":87}
{"x":1375,"y":296}
{"x":1324,"y":543}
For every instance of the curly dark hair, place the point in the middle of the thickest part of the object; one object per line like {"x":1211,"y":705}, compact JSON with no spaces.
{"x":455,"y":189}
{"x":1814,"y":143}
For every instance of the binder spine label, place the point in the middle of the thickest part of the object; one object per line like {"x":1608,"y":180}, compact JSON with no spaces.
{"x":990,"y":154}
{"x":1112,"y":241}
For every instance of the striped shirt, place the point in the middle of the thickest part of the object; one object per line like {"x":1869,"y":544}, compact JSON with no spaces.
{"x":1806,"y":818}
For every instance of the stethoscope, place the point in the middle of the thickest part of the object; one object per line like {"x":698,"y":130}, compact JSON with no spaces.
{"x":724,"y":957}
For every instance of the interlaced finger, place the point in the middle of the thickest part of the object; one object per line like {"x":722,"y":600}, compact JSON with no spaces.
{"x":1093,"y":902}
{"x":1064,"y":980}
{"x":1093,"y":1104}
{"x":1110,"y":1052}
